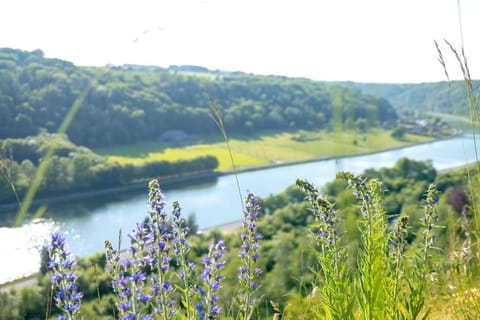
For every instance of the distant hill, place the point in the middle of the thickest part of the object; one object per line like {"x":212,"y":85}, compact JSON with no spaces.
{"x":446,"y":97}
{"x":131,"y":103}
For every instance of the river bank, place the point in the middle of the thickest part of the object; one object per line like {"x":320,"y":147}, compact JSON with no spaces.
{"x":195,"y":178}
{"x":164,"y":181}
{"x":212,"y":204}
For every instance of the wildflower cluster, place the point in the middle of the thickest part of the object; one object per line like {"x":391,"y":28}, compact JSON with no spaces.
{"x":158,"y":266}
{"x":249,"y":256}
{"x":128,"y":276}
{"x":211,"y":279}
{"x":141,"y":280}
{"x":64,"y":281}
{"x":155,"y":270}
{"x":428,"y":223}
{"x":159,"y":252}
{"x":325,"y":215}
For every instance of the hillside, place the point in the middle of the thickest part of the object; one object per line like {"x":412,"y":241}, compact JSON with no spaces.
{"x":445,"y":97}
{"x":128,"y":104}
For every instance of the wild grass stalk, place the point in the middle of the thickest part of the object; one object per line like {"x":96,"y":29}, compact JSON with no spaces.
{"x":465,"y":261}
{"x":473,"y":99}
{"x":217,"y":118}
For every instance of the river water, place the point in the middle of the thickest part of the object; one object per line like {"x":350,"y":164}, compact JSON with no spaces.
{"x":87,"y":223}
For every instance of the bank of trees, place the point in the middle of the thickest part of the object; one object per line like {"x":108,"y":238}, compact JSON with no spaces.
{"x":443,"y":96}
{"x":127,"y":104}
{"x":76,"y":168}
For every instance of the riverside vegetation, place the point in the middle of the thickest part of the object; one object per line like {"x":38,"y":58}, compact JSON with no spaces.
{"x":368,"y":251}
{"x":355,"y":250}
{"x":129,"y":107}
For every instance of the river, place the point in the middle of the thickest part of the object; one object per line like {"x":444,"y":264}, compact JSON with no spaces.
{"x":87,"y":223}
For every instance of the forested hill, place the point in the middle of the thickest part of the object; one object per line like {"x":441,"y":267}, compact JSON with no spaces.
{"x":446,"y":97}
{"x":126,"y":104}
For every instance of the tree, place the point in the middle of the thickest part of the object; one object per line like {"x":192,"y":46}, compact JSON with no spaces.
{"x":398,"y":132}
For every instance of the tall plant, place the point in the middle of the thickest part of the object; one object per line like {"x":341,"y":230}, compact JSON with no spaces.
{"x":372,"y":286}
{"x":336,"y":296}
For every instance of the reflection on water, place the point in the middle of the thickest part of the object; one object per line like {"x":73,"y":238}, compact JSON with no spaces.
{"x":20,"y":248}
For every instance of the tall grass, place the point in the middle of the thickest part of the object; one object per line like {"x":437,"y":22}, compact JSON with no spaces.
{"x":385,"y":283}
{"x":334,"y":276}
{"x":473,"y":172}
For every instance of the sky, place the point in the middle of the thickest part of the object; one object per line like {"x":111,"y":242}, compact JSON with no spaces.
{"x":334,"y":40}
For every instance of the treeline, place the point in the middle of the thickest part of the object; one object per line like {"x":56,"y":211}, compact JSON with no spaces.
{"x":287,"y":279}
{"x":127,"y":104}
{"x":443,"y":96}
{"x":75,"y":168}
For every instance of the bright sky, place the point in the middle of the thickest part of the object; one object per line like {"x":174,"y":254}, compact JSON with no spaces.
{"x":359,"y":40}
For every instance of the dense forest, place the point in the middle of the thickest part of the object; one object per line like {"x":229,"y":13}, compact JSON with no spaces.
{"x":444,"y":97}
{"x":127,"y":104}
{"x":130,"y":104}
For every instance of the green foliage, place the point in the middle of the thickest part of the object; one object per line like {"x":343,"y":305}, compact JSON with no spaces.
{"x":334,"y":289}
{"x":73,"y":168}
{"x":446,"y":97}
{"x":131,"y":104}
{"x":385,"y":264}
{"x":398,"y":132}
{"x":372,"y":266}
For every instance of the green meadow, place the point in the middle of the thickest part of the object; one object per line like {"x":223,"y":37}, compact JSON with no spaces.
{"x":264,"y":150}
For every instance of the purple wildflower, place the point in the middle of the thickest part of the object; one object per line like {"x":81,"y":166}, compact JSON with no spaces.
{"x":325,"y":215}
{"x":160,"y":251}
{"x":128,"y":277}
{"x":248,"y":272}
{"x":67,"y":296}
{"x":181,"y":249}
{"x":211,"y":279}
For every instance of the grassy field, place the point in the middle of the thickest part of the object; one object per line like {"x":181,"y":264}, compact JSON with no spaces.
{"x":265,"y":149}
